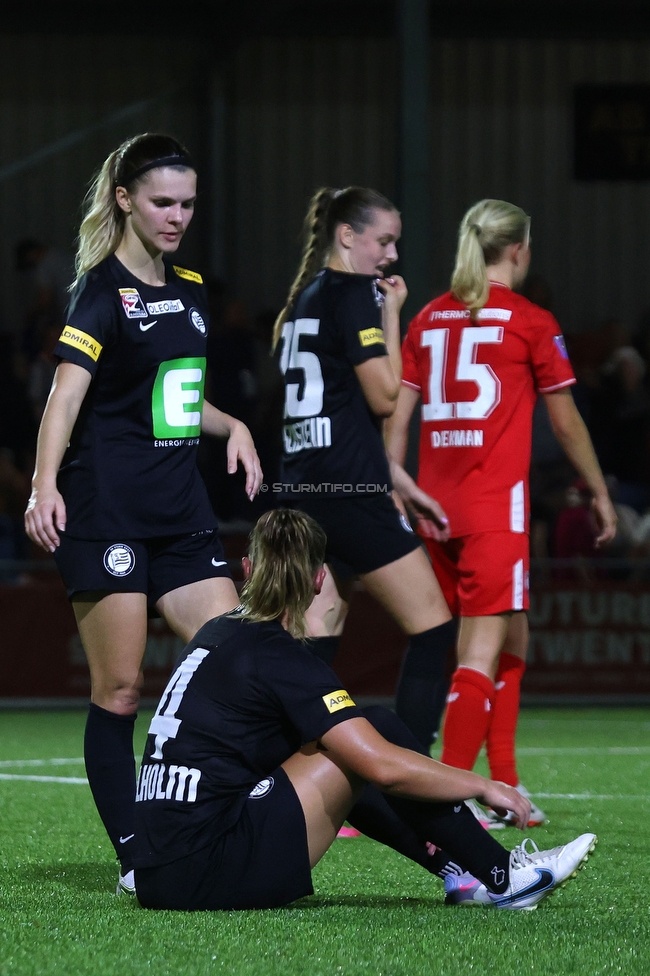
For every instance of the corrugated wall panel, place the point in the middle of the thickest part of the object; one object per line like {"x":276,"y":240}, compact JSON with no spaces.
{"x":503,"y":127}
{"x":309,"y":112}
{"x":306,"y":113}
{"x":52,"y":86}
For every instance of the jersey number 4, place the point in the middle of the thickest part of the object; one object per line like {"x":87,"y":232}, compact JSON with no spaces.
{"x":467,"y":370}
{"x":164,"y":724}
{"x":310,"y":403}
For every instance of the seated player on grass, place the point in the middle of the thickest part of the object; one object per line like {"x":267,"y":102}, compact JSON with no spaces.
{"x":256,"y":756}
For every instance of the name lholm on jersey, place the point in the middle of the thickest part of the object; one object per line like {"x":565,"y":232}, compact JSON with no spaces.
{"x":312,"y":432}
{"x":456,"y":438}
{"x":157,"y":782}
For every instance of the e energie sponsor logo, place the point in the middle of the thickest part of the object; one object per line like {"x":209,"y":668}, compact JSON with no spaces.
{"x":337,"y":700}
{"x":81,"y":340}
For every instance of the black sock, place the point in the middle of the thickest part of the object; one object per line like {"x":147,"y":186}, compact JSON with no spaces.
{"x":423,"y":684}
{"x":375,"y":818}
{"x":412,"y":824}
{"x":110,"y":767}
{"x":324,"y":647}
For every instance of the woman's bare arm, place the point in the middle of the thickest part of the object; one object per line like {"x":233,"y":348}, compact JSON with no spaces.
{"x":358,"y":747}
{"x":380,"y":377}
{"x":45,"y":512}
{"x":570,"y":430}
{"x":240,"y":445}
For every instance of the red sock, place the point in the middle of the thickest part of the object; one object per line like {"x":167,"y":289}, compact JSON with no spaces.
{"x":503,"y":723}
{"x":469,"y":706}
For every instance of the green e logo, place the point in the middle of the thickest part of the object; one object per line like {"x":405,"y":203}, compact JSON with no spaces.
{"x":177,"y":398}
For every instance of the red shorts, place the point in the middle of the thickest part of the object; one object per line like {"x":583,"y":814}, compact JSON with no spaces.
{"x":483,"y":574}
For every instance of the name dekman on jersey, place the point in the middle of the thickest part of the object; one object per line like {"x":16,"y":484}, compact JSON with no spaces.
{"x":478,"y":378}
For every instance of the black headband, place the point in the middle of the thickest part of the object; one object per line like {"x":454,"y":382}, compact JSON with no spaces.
{"x":176,"y":160}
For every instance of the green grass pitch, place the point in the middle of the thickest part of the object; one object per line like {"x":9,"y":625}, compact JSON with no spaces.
{"x":373,"y":912}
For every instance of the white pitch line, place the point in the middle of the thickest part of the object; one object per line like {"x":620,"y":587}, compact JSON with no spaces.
{"x":46,"y":779}
{"x":588,"y":796}
{"x":584,"y":751}
{"x":4,"y":763}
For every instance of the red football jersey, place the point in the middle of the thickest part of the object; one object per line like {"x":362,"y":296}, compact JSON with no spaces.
{"x":478,"y":382}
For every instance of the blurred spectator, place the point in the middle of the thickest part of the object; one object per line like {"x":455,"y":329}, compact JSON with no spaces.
{"x":17,"y":424}
{"x":625,"y":415}
{"x":231,"y":386}
{"x":575,"y":528}
{"x":14,"y":493}
{"x":43,"y":275}
{"x":628,"y":529}
{"x":575,"y":532}
{"x":269,"y":408}
{"x":41,"y":372}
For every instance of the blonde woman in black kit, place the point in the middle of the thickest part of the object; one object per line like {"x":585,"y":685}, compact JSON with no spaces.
{"x":339,"y":342}
{"x":256,"y":755}
{"x":117,"y":497}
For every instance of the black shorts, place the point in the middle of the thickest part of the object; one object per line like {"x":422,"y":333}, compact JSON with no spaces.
{"x":364,"y":532}
{"x":261,"y":862}
{"x":151,"y":566}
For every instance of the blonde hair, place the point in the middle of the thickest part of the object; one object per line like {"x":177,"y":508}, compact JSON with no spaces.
{"x":327,"y":209}
{"x":287,"y":548}
{"x":102,"y":226}
{"x":485,"y":231}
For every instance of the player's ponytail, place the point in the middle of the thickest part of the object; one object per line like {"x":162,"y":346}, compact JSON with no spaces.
{"x":102,"y":226}
{"x":485,"y":231}
{"x":327,"y":209}
{"x":287,"y":548}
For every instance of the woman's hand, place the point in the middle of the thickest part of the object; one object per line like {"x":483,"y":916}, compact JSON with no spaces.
{"x":395,"y":292}
{"x":503,"y":799}
{"x":45,"y":514}
{"x":432,"y":521}
{"x":240,"y":447}
{"x":606,"y":519}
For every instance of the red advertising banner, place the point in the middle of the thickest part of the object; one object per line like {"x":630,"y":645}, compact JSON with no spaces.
{"x":587,"y":639}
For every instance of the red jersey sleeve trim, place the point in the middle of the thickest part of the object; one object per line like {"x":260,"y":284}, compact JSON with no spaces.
{"x":558,"y":386}
{"x":413,"y":386}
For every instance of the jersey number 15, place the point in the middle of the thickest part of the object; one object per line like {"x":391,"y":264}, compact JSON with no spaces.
{"x":467,"y":370}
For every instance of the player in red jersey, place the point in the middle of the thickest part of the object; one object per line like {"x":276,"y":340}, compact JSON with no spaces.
{"x":477,"y":357}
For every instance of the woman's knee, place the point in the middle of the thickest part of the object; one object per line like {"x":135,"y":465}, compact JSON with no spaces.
{"x":391,"y":727}
{"x":115,"y":695}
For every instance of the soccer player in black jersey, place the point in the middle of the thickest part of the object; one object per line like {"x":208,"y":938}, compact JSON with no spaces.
{"x":117,"y":496}
{"x":339,"y":342}
{"x":256,"y":755}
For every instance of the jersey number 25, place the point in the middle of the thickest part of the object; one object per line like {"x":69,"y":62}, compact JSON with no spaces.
{"x":467,"y":369}
{"x":310,"y":403}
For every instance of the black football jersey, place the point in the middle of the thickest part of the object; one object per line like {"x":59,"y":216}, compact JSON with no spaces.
{"x":130,"y":469}
{"x":332,"y":440}
{"x":245,"y":697}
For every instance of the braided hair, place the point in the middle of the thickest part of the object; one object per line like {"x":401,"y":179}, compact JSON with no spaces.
{"x":328,"y":208}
